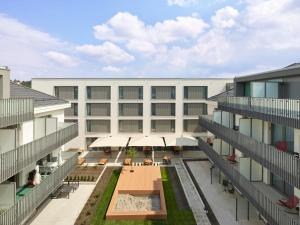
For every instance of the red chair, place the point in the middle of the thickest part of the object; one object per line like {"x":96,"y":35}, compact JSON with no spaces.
{"x":290,"y":203}
{"x":231,"y":158}
{"x":282,"y":146}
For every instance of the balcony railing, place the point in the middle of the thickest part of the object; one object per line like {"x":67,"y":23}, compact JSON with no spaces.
{"x":14,"y":111}
{"x":267,"y":208}
{"x":283,"y":164}
{"x":280,"y":111}
{"x":26,"y":205}
{"x":15,"y":160}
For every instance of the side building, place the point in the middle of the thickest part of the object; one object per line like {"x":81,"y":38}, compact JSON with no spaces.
{"x":255,"y":143}
{"x":133,"y":106}
{"x":33,"y":162}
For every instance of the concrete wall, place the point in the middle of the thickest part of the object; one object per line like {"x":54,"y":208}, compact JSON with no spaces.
{"x":215,"y":86}
{"x":4,"y":83}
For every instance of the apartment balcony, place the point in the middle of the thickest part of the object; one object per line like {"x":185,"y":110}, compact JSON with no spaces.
{"x":26,"y":205}
{"x":98,"y":92}
{"x":266,"y":206}
{"x":130,"y":92}
{"x":278,"y":111}
{"x":283,"y":164}
{"x":15,"y":160}
{"x":98,"y":109}
{"x":15,"y":111}
{"x":163,"y":126}
{"x":131,"y":126}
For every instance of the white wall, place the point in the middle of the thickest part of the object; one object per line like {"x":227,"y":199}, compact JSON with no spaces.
{"x":7,"y":140}
{"x":215,"y":86}
{"x":26,"y":132}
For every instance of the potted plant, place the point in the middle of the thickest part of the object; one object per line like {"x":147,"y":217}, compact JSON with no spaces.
{"x":131,"y":152}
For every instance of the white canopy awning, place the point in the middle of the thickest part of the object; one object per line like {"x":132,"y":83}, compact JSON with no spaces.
{"x":181,"y":141}
{"x":112,"y":141}
{"x":153,"y":141}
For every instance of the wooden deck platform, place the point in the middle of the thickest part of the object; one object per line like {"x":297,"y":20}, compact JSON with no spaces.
{"x":145,"y":180}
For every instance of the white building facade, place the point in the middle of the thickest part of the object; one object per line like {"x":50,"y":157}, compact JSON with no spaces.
{"x":133,"y":106}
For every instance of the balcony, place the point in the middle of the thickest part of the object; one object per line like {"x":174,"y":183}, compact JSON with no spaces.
{"x":163,"y":126}
{"x":15,"y":160}
{"x":283,"y":164}
{"x":131,"y":126}
{"x":267,"y":207}
{"x":279,"y":111}
{"x":15,"y":111}
{"x":18,"y":213}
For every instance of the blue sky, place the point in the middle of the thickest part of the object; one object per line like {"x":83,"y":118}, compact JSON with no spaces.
{"x":131,"y":38}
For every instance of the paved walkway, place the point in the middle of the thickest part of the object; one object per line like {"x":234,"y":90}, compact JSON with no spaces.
{"x":222,"y":203}
{"x":192,"y":195}
{"x":64,"y":211}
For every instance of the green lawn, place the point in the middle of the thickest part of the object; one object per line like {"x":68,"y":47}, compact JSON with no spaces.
{"x":175,"y":216}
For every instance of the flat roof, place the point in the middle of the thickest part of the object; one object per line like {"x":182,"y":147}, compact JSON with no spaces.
{"x":131,"y":78}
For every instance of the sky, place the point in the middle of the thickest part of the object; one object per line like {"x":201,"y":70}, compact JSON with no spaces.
{"x":139,"y":38}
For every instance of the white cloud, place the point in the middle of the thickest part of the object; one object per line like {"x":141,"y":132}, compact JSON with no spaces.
{"x":112,"y":69}
{"x":141,"y":46}
{"x":62,"y":59}
{"x":182,"y":3}
{"x":225,"y":17}
{"x":127,"y":27}
{"x":107,"y":53}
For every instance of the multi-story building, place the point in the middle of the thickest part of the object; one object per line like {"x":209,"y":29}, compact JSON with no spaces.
{"x":130,"y":107}
{"x":256,"y":141}
{"x":33,"y":162}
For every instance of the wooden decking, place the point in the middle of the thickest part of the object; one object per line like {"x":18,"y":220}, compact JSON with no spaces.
{"x":145,"y":180}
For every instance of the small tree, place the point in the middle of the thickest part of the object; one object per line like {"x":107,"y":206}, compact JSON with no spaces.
{"x":132,"y":154}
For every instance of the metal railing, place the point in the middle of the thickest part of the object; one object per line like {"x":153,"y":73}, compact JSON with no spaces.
{"x":14,"y":111}
{"x":27,"y":204}
{"x":283,"y":164}
{"x":15,"y":160}
{"x":280,"y":111}
{"x":273,"y":213}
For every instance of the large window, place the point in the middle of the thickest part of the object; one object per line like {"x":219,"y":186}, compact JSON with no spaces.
{"x":163,"y":109}
{"x":98,"y":126}
{"x":195,"y":92}
{"x":98,"y":92}
{"x":130,"y":92}
{"x":194,"y":109}
{"x":130,"y":109}
{"x":163,"y":92}
{"x":130,"y":126}
{"x":163,"y":126}
{"x":66,"y":92}
{"x":98,"y":109}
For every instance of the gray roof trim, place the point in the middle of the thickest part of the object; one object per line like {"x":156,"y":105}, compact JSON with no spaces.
{"x":39,"y":98}
{"x":229,"y":93}
{"x":292,"y":70}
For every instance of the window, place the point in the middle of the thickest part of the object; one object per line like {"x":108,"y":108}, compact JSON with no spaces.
{"x":195,"y":92}
{"x":88,"y":92}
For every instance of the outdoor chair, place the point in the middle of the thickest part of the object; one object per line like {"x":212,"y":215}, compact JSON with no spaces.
{"x":282,"y":146}
{"x":102,"y":161}
{"x":231,"y":158}
{"x":290,"y":203}
{"x":167,"y":160}
{"x":127,"y":162}
{"x":81,"y":160}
